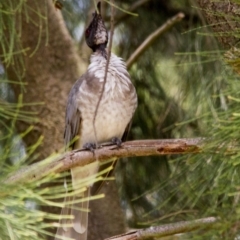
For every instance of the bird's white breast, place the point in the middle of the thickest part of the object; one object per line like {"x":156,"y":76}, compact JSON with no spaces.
{"x":117,"y":105}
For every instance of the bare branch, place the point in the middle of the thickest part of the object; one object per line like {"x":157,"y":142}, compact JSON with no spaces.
{"x":152,"y":37}
{"x":167,"y":229}
{"x":75,"y":158}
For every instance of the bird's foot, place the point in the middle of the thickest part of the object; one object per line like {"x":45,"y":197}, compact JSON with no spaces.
{"x":90,"y":146}
{"x":117,"y":141}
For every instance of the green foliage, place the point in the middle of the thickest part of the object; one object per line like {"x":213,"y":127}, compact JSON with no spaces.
{"x":184,"y":88}
{"x":11,"y":46}
{"x":20,"y":216}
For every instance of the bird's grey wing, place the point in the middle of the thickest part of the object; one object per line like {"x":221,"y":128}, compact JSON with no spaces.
{"x":73,"y":115}
{"x":126,"y":132}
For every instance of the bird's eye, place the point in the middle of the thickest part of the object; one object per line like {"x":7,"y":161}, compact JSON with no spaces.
{"x":87,"y":32}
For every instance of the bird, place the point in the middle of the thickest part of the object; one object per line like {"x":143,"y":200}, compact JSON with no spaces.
{"x":94,"y":123}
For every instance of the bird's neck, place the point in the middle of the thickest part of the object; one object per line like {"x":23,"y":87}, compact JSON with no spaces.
{"x":101,"y":49}
{"x":116,"y":67}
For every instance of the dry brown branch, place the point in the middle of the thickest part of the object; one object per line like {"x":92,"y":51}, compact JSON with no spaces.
{"x":152,"y":37}
{"x":167,"y":229}
{"x":137,"y":148}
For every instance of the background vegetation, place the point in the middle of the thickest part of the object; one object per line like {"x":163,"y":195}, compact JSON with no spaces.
{"x":188,"y":86}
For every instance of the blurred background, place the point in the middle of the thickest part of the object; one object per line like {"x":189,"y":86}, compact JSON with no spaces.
{"x":185,"y":87}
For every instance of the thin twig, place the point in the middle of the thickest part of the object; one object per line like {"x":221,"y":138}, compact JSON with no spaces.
{"x":152,"y":37}
{"x":129,"y":149}
{"x":167,"y":229}
{"x":105,"y":75}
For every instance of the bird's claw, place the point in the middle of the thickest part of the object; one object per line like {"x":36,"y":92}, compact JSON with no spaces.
{"x":90,"y":146}
{"x":117,"y":141}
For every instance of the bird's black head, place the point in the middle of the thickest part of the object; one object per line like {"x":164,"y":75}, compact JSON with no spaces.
{"x":96,"y":34}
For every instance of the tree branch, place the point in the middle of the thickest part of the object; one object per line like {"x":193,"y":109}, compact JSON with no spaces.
{"x":166,"y":230}
{"x":61,"y":163}
{"x":152,"y":37}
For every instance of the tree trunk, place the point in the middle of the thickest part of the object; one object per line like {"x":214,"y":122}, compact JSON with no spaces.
{"x":50,"y":66}
{"x":223,"y":17}
{"x":105,"y":214}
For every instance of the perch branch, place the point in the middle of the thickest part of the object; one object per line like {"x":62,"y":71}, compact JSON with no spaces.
{"x":152,"y":37}
{"x":75,"y":158}
{"x":167,"y":229}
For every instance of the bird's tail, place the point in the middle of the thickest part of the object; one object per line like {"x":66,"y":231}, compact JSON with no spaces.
{"x":76,"y":204}
{"x":74,"y":228}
